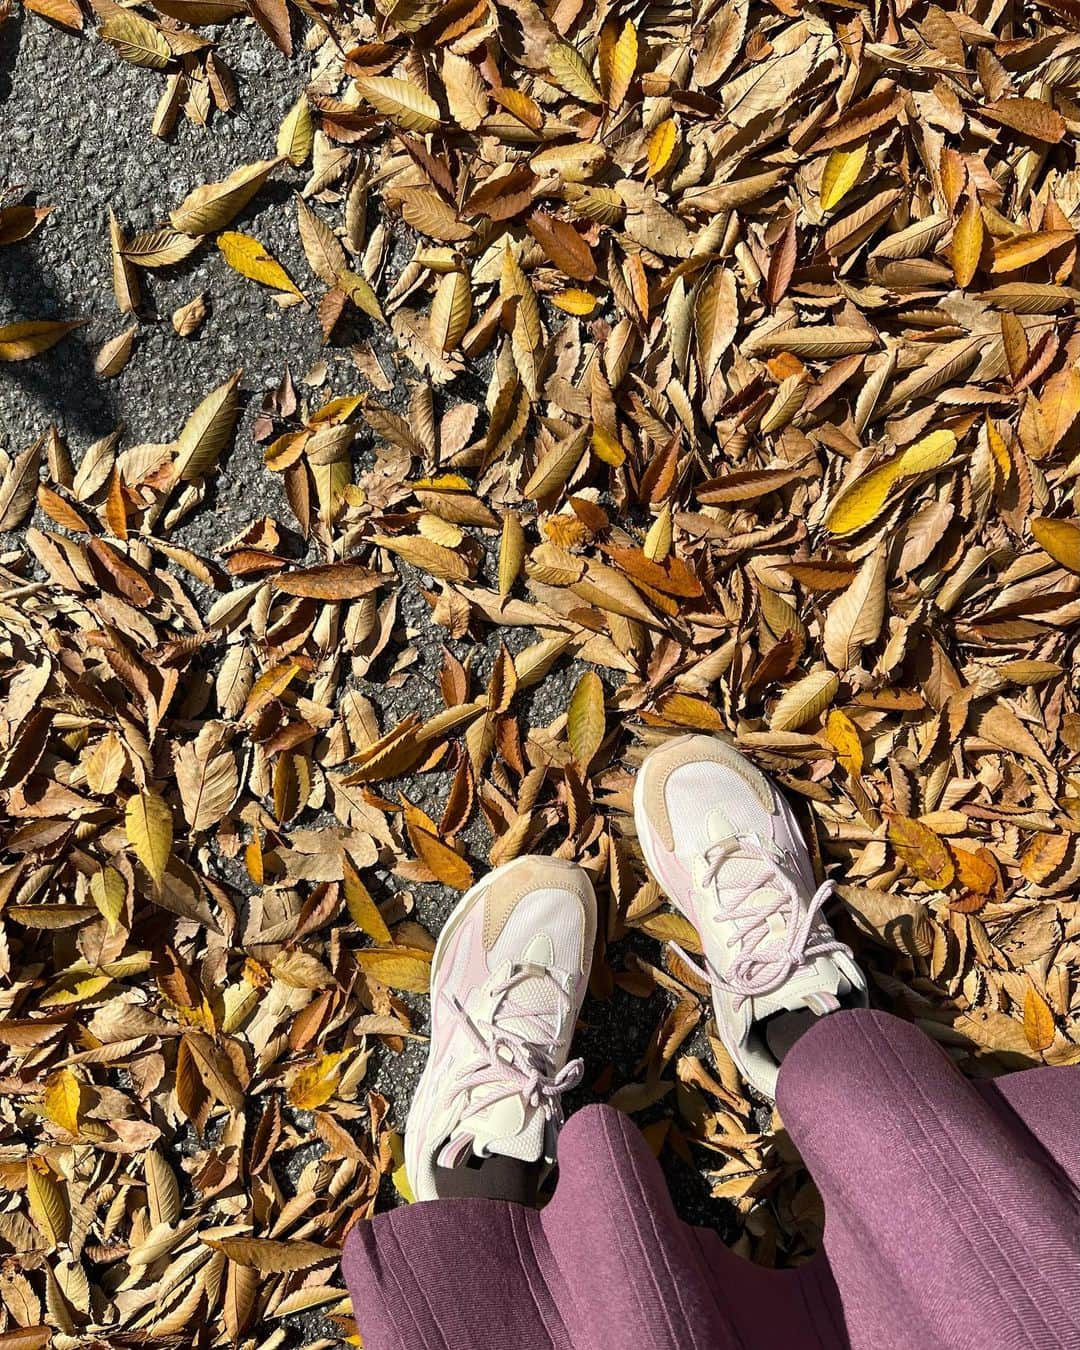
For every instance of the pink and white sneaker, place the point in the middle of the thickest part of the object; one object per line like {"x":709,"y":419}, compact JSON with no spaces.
{"x":726,"y":847}
{"x":507,"y":980}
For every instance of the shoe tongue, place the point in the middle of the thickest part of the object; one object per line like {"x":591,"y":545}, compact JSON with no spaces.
{"x":533,"y":992}
{"x":510,"y":1126}
{"x":741,"y":869}
{"x":818,"y":987}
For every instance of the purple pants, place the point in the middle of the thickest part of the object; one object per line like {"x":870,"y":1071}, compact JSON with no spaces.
{"x":952,"y":1222}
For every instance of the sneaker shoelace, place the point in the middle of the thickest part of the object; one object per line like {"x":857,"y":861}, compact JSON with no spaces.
{"x":517,"y":1062}
{"x":761,"y":967}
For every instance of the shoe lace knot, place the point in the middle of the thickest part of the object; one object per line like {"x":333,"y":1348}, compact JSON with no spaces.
{"x":762,"y":965}
{"x":515,"y":1048}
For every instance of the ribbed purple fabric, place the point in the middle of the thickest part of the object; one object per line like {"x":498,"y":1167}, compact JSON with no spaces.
{"x":952,"y":1223}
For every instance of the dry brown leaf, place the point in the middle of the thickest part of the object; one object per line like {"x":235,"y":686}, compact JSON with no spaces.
{"x":923,"y":852}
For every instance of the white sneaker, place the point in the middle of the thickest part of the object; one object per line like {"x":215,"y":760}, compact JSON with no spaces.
{"x":508,"y":976}
{"x":726,"y":847}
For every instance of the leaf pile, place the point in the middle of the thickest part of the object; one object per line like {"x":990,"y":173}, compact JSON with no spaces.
{"x":742,"y":352}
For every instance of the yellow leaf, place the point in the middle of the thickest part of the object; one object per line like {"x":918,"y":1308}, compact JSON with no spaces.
{"x":685,"y":710}
{"x":658,"y":541}
{"x":998,"y":449}
{"x":451,"y":311}
{"x":402,"y":968}
{"x":1024,"y":249}
{"x":607,"y":447}
{"x":62,"y":1098}
{"x":1060,"y":400}
{"x":976,"y":872}
{"x":314,"y":1086}
{"x":967,"y":243}
{"x":574,"y":301}
{"x":863,"y":501}
{"x":449,"y":867}
{"x":136,"y":40}
{"x":661,"y":147}
{"x":922,"y":851}
{"x":362,"y":294}
{"x":362,"y":909}
{"x":511,"y":552}
{"x":429,"y":557}
{"x":841,"y":173}
{"x":246,"y":255}
{"x":1038,"y":1021}
{"x":255,"y":862}
{"x":48,"y":1202}
{"x":668,"y":927}
{"x":806,"y":700}
{"x":585,"y":719}
{"x":402,"y":1184}
{"x":73,"y":988}
{"x":843,"y":735}
{"x":108,"y":890}
{"x":624,"y":59}
{"x":399,"y":1176}
{"x":296,"y":134}
{"x":555,"y":466}
{"x":207,"y":431}
{"x":525,"y":109}
{"x":567,"y":68}
{"x":270,"y":685}
{"x":1059,"y":538}
{"x":211,"y":206}
{"x":149,"y":827}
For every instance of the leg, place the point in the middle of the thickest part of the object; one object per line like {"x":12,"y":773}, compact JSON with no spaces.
{"x":470,"y":1271}
{"x":947,"y":1224}
{"x":607,"y":1264}
{"x":461,"y":1274}
{"x":1045,"y":1103}
{"x":638,"y":1276}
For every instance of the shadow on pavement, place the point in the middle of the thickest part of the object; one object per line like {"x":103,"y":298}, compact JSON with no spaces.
{"x":61,"y":381}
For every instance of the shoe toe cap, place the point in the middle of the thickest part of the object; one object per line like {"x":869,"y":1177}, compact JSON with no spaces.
{"x":541,"y":896}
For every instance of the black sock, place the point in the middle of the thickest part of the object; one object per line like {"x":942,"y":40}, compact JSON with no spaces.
{"x":493,"y":1178}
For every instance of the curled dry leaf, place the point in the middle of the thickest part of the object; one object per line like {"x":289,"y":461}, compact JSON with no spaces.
{"x":21,"y":341}
{"x":189,"y":318}
{"x":214,"y":205}
{"x":115,"y":354}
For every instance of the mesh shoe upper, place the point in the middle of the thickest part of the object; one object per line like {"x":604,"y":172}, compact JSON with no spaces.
{"x":727,"y":849}
{"x":508,"y":978}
